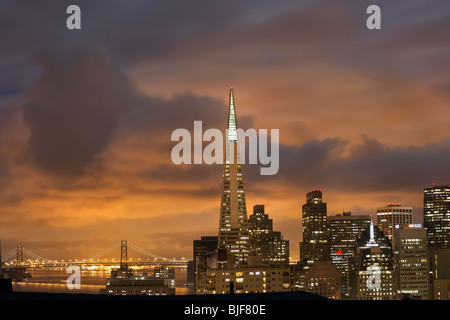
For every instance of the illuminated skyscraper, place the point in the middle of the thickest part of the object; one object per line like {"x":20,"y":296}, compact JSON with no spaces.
{"x":391,"y":215}
{"x":344,"y":230}
{"x":315,"y":245}
{"x":264,"y":242}
{"x":233,"y":225}
{"x":411,"y":260}
{"x":436,"y":215}
{"x":374,"y":266}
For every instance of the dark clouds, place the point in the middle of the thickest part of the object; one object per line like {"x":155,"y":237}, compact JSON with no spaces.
{"x":73,"y":108}
{"x":368,"y":166}
{"x":83,"y":114}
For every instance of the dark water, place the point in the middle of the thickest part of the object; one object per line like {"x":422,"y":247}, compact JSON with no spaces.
{"x":54,"y":280}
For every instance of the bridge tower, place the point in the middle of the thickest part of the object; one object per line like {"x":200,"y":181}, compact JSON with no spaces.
{"x":123,"y":254}
{"x":19,"y":255}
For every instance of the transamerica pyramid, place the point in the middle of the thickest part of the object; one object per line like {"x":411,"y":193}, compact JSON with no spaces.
{"x":233,"y":228}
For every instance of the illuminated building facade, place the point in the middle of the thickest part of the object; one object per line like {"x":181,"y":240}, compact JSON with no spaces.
{"x":248,"y":279}
{"x":411,"y":261}
{"x":148,"y":286}
{"x":233,"y":224}
{"x":164,"y":273}
{"x":216,"y":259}
{"x":324,"y":279}
{"x":298,"y":271}
{"x":344,"y":230}
{"x":436,"y":215}
{"x":315,"y":244}
{"x":391,"y":215}
{"x":265,"y":242}
{"x":160,"y":283}
{"x":374,"y":269}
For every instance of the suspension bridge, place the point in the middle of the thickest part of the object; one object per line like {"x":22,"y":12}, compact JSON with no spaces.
{"x":21,"y":257}
{"x":117,"y":254}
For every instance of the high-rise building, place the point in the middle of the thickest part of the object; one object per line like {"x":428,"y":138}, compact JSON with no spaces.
{"x":190,"y":277}
{"x":265,"y":242}
{"x":315,"y":244}
{"x":204,"y":245}
{"x":436,"y":215}
{"x":202,"y":249}
{"x":374,"y":267}
{"x":233,"y":224}
{"x":259,"y":225}
{"x":344,"y":230}
{"x":298,"y":271}
{"x":391,"y":215}
{"x":411,"y":261}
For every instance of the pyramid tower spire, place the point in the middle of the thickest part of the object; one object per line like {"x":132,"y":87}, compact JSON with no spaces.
{"x":232,"y":126}
{"x":233,"y":225}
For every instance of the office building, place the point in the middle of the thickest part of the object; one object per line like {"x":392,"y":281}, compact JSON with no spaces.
{"x":160,"y":283}
{"x":344,"y":230}
{"x":216,"y":259}
{"x":204,"y":245}
{"x":265,"y":242}
{"x":411,"y":261}
{"x":190,"y":280}
{"x":163,"y":272}
{"x":374,"y":269}
{"x":298,"y":271}
{"x":436,"y":215}
{"x":324,"y":279}
{"x":137,"y":286}
{"x":391,"y":215}
{"x":249,"y":278}
{"x":315,"y":245}
{"x":202,"y":249}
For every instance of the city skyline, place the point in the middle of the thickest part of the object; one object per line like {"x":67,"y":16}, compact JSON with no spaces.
{"x":86,"y":115}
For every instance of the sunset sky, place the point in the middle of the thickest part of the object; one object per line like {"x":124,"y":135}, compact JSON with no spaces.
{"x":86,"y":115}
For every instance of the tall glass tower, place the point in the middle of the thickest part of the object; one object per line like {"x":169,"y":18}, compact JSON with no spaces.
{"x":344,"y":230}
{"x":391,"y":215}
{"x":264,"y":242}
{"x":315,"y":244}
{"x":233,"y":224}
{"x":436,"y":215}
